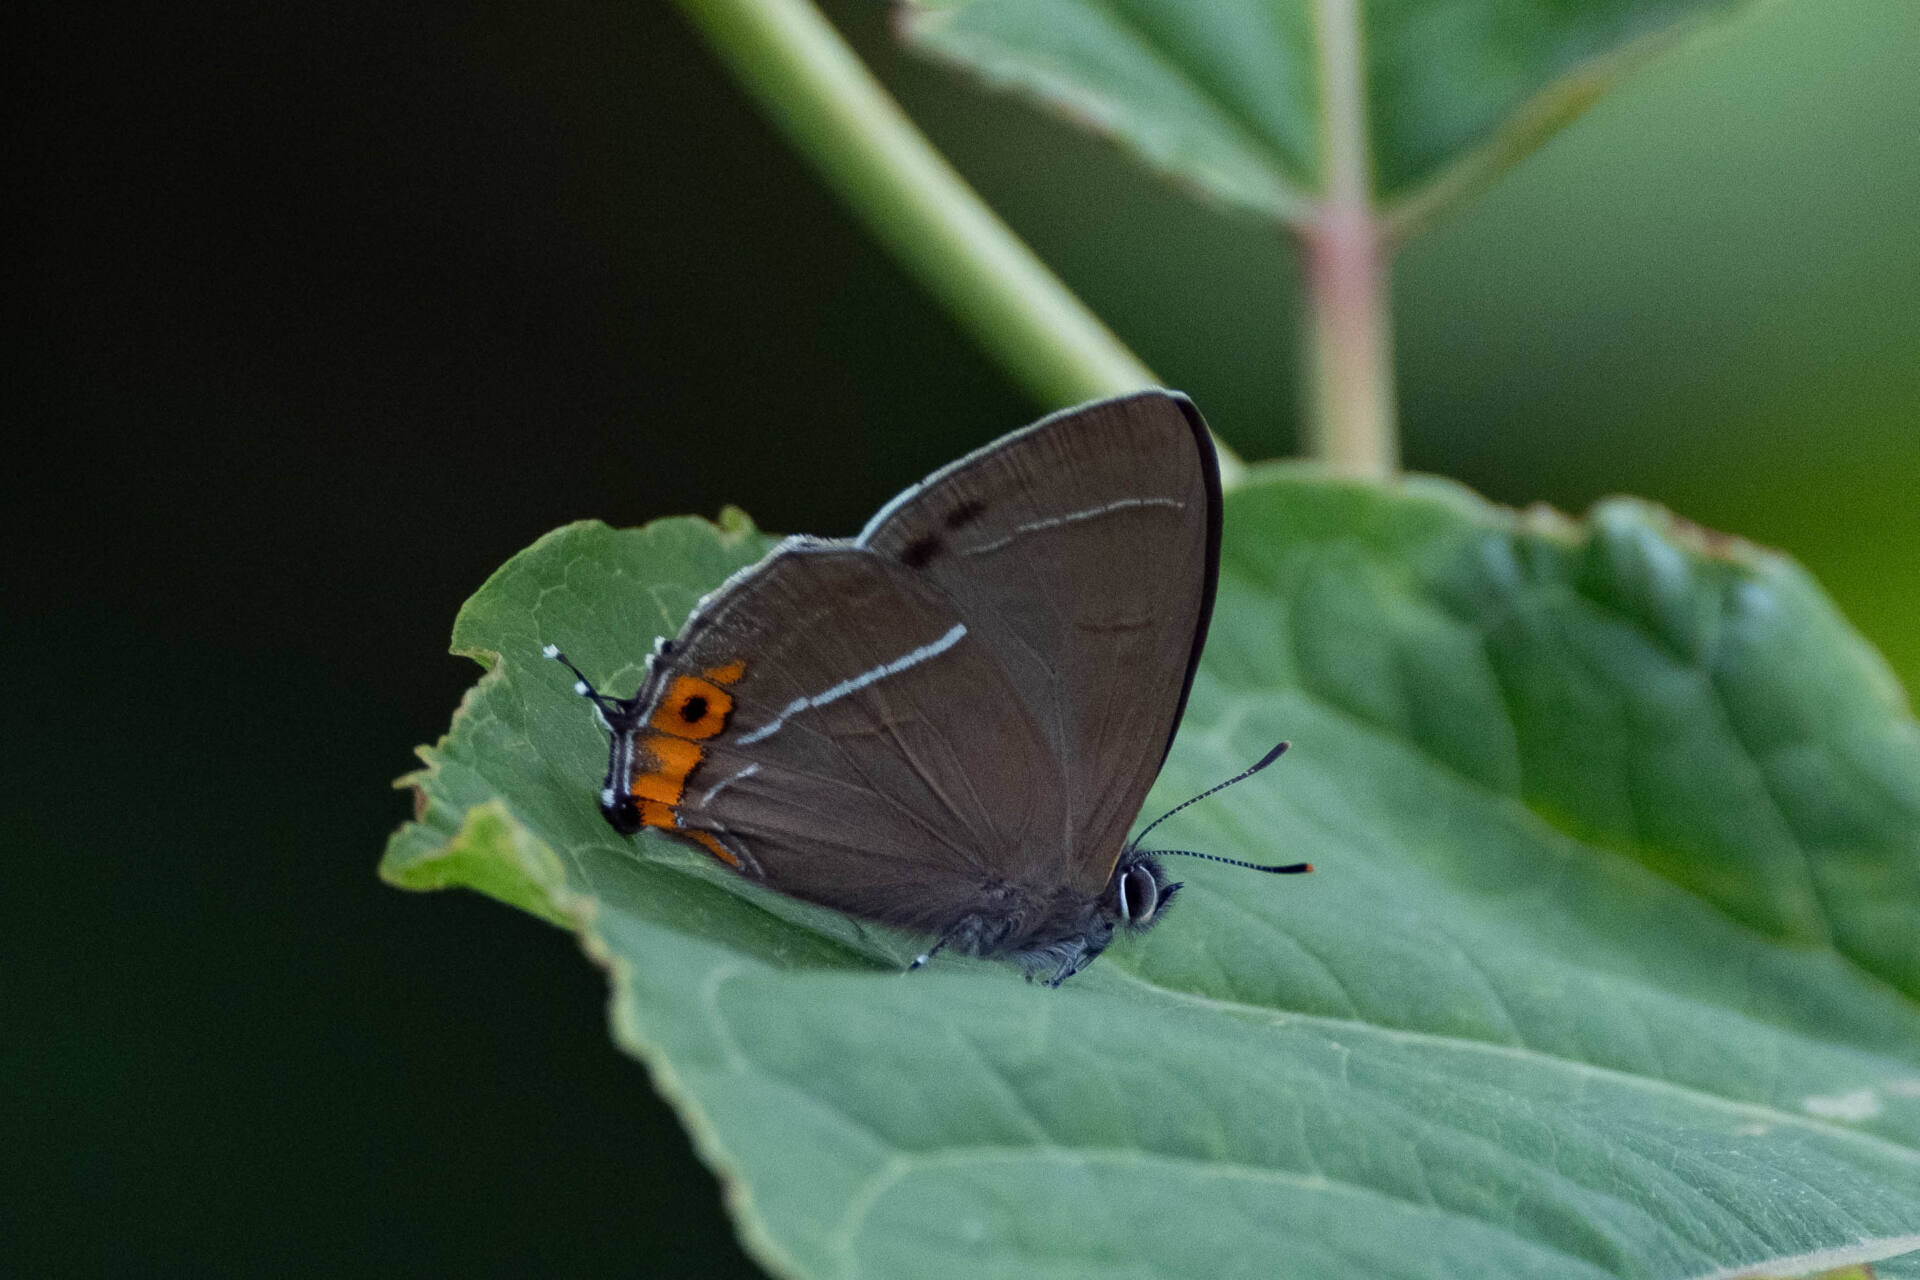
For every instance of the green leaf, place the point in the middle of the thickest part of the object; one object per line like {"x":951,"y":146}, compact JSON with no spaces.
{"x":1611,"y":965}
{"x":1234,"y":97}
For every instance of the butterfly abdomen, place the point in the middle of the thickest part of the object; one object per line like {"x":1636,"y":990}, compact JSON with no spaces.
{"x":1006,"y":918}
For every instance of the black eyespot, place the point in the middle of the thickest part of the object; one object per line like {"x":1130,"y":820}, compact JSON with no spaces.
{"x":966,"y":513}
{"x":694,"y":709}
{"x":1139,"y":896}
{"x":917,"y":553}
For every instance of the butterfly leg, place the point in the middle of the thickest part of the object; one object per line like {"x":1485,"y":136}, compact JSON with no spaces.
{"x":927,"y":955}
{"x":1073,"y":961}
{"x":973,"y":935}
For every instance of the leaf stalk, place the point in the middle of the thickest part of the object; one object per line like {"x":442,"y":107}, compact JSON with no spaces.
{"x":1351,"y":415}
{"x":804,"y":75}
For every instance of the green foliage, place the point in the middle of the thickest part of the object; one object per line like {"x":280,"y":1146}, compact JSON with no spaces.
{"x":1230,"y":96}
{"x":1610,"y":967}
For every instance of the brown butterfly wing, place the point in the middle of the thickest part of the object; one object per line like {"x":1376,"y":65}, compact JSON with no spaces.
{"x":1083,"y":552}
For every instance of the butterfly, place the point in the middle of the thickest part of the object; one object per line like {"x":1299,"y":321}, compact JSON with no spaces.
{"x":949,"y":723}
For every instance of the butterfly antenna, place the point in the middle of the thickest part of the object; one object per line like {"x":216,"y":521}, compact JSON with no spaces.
{"x":1242,"y":776}
{"x":1290,"y":869}
{"x":581,"y":685}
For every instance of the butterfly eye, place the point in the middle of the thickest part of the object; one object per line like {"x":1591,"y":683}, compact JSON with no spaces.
{"x":1139,"y":896}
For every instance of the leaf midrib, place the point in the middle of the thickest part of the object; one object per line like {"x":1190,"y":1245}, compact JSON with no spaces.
{"x":1268,"y":1015}
{"x":903,"y":1164}
{"x":692,"y":870}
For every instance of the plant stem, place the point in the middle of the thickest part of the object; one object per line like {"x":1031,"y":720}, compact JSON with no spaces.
{"x":1351,"y":414}
{"x":813,"y":85}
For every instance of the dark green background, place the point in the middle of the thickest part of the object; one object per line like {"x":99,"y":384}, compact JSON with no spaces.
{"x":329,"y":310}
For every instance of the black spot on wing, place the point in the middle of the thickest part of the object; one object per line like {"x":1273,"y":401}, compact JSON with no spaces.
{"x":966,"y":513}
{"x":694,"y":709}
{"x":918,"y":553}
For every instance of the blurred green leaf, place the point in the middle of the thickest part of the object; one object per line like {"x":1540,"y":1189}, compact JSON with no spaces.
{"x":1861,"y":1272}
{"x":1609,"y":968}
{"x":1227,"y":96}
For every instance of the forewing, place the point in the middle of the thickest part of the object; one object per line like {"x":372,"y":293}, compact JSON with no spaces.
{"x":1083,"y":554}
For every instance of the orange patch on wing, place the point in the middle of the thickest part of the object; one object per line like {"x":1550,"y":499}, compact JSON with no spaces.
{"x":654,"y":813}
{"x":714,"y":847}
{"x":692,"y":708}
{"x":661,"y":768}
